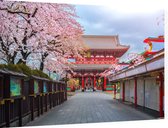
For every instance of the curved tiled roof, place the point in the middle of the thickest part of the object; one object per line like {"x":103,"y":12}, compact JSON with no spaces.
{"x":103,"y":42}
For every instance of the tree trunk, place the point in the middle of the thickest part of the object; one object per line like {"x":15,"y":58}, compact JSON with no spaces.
{"x":43,"y":57}
{"x":41,"y":65}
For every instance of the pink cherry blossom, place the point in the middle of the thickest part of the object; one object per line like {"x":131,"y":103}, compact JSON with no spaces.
{"x":39,"y":33}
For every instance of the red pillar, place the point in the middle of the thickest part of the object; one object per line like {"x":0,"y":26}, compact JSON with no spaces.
{"x":105,"y":83}
{"x":86,"y":79}
{"x":114,"y":91}
{"x":94,"y":86}
{"x":161,"y":90}
{"x":83,"y":84}
{"x":123,"y":92}
{"x":135,"y":92}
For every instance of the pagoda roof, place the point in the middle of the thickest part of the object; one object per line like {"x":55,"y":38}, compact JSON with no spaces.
{"x":109,"y":42}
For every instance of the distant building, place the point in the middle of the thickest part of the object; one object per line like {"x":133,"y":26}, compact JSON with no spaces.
{"x":103,"y":51}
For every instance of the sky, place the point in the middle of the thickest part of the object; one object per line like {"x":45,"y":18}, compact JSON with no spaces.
{"x":131,"y":25}
{"x":131,"y":20}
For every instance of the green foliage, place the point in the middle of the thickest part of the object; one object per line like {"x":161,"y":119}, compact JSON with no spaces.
{"x":11,"y":67}
{"x":40,"y":74}
{"x":2,"y":66}
{"x":25,"y":69}
{"x":22,"y":68}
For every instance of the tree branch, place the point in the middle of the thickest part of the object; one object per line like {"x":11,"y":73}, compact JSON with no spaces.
{"x":34,"y":13}
{"x":14,"y":12}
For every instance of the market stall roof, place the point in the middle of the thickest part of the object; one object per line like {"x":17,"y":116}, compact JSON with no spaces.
{"x":6,"y":71}
{"x":39,"y":78}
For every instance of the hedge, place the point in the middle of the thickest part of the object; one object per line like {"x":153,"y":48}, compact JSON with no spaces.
{"x":22,"y":68}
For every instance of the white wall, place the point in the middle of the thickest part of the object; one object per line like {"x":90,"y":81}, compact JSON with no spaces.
{"x":151,"y":93}
{"x":148,"y":84}
{"x":140,"y":91}
{"x":132,"y":86}
{"x":127,"y":90}
{"x":121,"y":89}
{"x":151,"y":99}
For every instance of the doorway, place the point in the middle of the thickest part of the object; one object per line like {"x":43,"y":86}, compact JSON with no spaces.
{"x":89,"y":84}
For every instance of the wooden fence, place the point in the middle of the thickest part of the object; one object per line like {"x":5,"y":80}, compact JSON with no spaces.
{"x":23,"y":99}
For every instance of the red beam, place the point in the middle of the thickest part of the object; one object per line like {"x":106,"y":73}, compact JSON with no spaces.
{"x":94,"y":62}
{"x":161,"y":90}
{"x":105,"y":83}
{"x":114,"y":91}
{"x":83,"y":84}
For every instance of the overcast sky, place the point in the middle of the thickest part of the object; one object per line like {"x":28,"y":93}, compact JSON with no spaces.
{"x":131,"y":20}
{"x":131,"y":25}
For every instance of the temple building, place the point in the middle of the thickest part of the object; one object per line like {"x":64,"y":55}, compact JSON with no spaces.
{"x":103,"y":51}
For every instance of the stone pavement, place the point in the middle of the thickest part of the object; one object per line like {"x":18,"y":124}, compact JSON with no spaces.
{"x":89,"y":107}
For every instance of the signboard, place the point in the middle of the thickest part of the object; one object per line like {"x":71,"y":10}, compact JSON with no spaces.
{"x":36,"y":87}
{"x":15,"y":86}
{"x":44,"y":87}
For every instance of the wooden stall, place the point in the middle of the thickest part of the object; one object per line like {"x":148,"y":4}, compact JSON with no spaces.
{"x":23,"y":98}
{"x":13,"y":96}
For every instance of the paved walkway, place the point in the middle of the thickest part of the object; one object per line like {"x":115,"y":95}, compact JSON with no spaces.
{"x":89,"y":107}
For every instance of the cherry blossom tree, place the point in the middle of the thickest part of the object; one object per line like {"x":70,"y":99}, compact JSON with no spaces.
{"x":16,"y":30}
{"x":45,"y":32}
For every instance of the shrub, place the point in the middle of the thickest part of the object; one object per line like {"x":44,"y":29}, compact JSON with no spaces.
{"x":22,"y":68}
{"x":40,"y":74}
{"x":25,"y":69}
{"x":11,"y":67}
{"x":2,"y":66}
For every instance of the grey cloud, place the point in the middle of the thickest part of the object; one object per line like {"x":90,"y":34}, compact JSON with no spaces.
{"x":132,"y":29}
